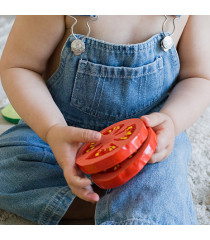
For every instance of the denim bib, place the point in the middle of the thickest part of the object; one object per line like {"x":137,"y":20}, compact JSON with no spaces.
{"x":111,"y":82}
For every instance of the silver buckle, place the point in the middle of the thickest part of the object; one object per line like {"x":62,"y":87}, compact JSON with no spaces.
{"x":78,"y":45}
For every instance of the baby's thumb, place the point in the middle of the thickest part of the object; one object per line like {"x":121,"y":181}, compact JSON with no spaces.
{"x":153,"y":119}
{"x":86,"y":135}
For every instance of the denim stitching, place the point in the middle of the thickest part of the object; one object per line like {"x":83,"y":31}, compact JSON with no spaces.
{"x":121,"y":51}
{"x":108,"y":203}
{"x":175,"y":55}
{"x":158,"y":92}
{"x":114,"y":76}
{"x":83,"y":73}
{"x":96,"y":92}
{"x":139,"y":89}
{"x":100,"y":95}
{"x":127,"y":48}
{"x":157,"y":64}
{"x":144,"y":91}
{"x":74,"y":84}
{"x":55,"y":203}
{"x":108,"y":46}
{"x":160,"y":82}
{"x":58,"y":206}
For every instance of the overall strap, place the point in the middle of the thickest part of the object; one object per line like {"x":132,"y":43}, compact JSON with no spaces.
{"x":78,"y":45}
{"x":167,"y":41}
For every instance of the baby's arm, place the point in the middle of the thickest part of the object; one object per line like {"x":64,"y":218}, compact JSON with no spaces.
{"x":29,"y":45}
{"x":31,"y":42}
{"x":191,"y":95}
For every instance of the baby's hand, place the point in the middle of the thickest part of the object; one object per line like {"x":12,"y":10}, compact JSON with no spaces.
{"x":163,"y":126}
{"x":64,"y":142}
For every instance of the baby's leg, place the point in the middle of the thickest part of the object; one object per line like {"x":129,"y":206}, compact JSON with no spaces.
{"x":31,"y":182}
{"x":159,"y":194}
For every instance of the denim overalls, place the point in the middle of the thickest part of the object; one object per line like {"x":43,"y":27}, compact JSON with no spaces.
{"x":105,"y":84}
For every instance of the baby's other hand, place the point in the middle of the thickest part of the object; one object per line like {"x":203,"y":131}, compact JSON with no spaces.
{"x":65,"y":142}
{"x":163,"y":126}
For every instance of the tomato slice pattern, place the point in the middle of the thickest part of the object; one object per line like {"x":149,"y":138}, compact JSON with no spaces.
{"x":117,"y":143}
{"x":124,"y":171}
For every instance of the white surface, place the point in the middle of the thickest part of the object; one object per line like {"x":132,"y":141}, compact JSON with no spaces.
{"x":6,"y":23}
{"x":199,"y":168}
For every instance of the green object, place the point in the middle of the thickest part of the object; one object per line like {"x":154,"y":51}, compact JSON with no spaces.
{"x":10,"y":114}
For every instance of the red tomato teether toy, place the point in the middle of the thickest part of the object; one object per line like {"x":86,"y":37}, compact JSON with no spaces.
{"x":124,"y":171}
{"x":124,"y":149}
{"x":117,"y":143}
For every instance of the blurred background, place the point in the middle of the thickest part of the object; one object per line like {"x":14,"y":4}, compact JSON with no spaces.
{"x":6,"y":23}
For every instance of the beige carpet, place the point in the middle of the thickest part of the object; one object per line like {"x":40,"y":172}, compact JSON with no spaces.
{"x":199,"y":168}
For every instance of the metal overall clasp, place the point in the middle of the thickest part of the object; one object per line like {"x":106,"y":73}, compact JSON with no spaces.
{"x":167,"y":41}
{"x":78,"y":45}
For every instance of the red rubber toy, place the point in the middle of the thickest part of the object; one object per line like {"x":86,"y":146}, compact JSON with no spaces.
{"x":126,"y":170}
{"x":117,"y":143}
{"x":124,"y":149}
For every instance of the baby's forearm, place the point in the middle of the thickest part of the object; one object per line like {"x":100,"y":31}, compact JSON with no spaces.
{"x":187,"y":101}
{"x":31,"y":99}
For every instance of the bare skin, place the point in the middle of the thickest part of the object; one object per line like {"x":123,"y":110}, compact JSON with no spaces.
{"x":116,"y":29}
{"x":32,"y":54}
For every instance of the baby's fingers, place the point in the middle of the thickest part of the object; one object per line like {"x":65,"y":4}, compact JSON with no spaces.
{"x":86,"y":193}
{"x":75,"y":178}
{"x":158,"y":157}
{"x":79,"y":184}
{"x":153,"y":119}
{"x":162,"y":140}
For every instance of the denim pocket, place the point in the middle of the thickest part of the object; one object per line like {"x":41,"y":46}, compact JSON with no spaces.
{"x":114,"y":93}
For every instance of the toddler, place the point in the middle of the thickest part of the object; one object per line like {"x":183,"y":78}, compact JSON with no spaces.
{"x":69,"y":77}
